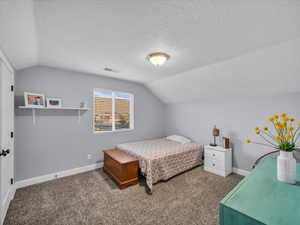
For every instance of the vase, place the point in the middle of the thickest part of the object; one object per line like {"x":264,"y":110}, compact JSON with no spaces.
{"x":286,"y":167}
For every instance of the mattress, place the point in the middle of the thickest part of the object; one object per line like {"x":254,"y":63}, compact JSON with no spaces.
{"x":161,"y":159}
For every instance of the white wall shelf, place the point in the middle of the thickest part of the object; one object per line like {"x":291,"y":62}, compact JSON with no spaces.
{"x":45,"y":108}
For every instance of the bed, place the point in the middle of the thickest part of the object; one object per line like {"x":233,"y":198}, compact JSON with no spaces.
{"x":161,"y":159}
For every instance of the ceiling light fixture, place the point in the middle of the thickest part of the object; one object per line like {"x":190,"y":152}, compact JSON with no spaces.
{"x":158,"y":58}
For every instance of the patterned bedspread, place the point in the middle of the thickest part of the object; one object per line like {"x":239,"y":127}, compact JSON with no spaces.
{"x":161,"y":159}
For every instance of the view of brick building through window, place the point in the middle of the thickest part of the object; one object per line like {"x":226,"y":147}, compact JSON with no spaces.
{"x":103,"y":112}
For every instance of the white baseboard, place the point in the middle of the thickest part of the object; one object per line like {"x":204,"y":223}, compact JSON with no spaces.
{"x":53,"y":176}
{"x":65,"y":173}
{"x":6,"y":202}
{"x":240,"y":171}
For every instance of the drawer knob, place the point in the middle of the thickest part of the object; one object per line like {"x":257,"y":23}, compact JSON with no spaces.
{"x":214,"y":154}
{"x":213,"y":164}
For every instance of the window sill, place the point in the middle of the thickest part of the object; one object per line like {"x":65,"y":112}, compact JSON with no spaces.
{"x":113,"y":131}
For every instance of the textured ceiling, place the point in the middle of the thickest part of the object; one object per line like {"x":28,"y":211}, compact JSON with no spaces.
{"x":92,"y":34}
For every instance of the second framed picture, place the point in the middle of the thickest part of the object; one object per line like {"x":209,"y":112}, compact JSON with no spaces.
{"x":54,"y":103}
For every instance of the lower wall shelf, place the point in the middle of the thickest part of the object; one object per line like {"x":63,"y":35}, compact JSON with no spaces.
{"x":62,"y":108}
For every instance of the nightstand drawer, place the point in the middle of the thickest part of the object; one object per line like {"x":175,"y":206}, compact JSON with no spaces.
{"x":212,"y":154}
{"x":216,"y":164}
{"x":218,"y":160}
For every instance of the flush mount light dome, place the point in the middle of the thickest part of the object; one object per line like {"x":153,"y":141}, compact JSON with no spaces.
{"x":158,"y":58}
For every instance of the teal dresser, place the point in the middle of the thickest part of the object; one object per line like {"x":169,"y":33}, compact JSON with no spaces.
{"x":260,"y":199}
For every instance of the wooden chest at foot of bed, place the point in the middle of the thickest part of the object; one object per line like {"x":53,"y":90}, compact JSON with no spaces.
{"x":122,"y":167}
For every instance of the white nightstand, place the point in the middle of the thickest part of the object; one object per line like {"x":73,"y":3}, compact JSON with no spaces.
{"x":218,"y":160}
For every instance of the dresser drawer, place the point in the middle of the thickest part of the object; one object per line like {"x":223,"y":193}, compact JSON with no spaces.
{"x":214,"y":155}
{"x":218,"y":160}
{"x":214,"y":163}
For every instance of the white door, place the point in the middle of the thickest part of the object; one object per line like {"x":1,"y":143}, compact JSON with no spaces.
{"x":6,"y":137}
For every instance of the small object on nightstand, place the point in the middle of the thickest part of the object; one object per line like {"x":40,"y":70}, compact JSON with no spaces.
{"x":215,"y":133}
{"x":218,"y":160}
{"x":82,"y":105}
{"x":226,"y":142}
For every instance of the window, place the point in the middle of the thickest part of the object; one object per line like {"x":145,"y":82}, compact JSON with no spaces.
{"x":113,"y":110}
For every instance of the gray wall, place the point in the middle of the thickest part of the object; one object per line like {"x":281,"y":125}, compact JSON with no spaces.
{"x":236,"y":117}
{"x":57,"y":142}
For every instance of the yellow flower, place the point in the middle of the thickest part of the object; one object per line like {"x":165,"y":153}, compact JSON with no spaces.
{"x":278,"y":123}
{"x":286,"y":119}
{"x":299,"y":124}
{"x":288,"y":136}
{"x":283,"y":115}
{"x":290,"y":128}
{"x":266,"y":128}
{"x":278,"y":138}
{"x":248,"y":141}
{"x":292,"y":119}
{"x":271,"y":118}
{"x":257,"y":131}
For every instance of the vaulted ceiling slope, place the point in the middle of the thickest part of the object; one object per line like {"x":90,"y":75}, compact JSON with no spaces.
{"x":18,"y":36}
{"x":203,"y":37}
{"x":273,"y":70}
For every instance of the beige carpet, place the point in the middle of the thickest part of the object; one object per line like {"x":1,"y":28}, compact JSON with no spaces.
{"x":93,"y":199}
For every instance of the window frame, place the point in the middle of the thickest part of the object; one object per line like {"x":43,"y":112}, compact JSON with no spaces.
{"x":131,"y":111}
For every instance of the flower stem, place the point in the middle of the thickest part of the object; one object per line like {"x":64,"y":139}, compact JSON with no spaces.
{"x":267,"y":140}
{"x":265,"y":145}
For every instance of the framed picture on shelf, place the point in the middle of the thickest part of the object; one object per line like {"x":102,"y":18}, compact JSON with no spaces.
{"x":54,"y":103}
{"x":34,"y":100}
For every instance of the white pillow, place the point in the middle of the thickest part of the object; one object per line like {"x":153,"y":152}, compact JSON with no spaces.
{"x":178,"y":138}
